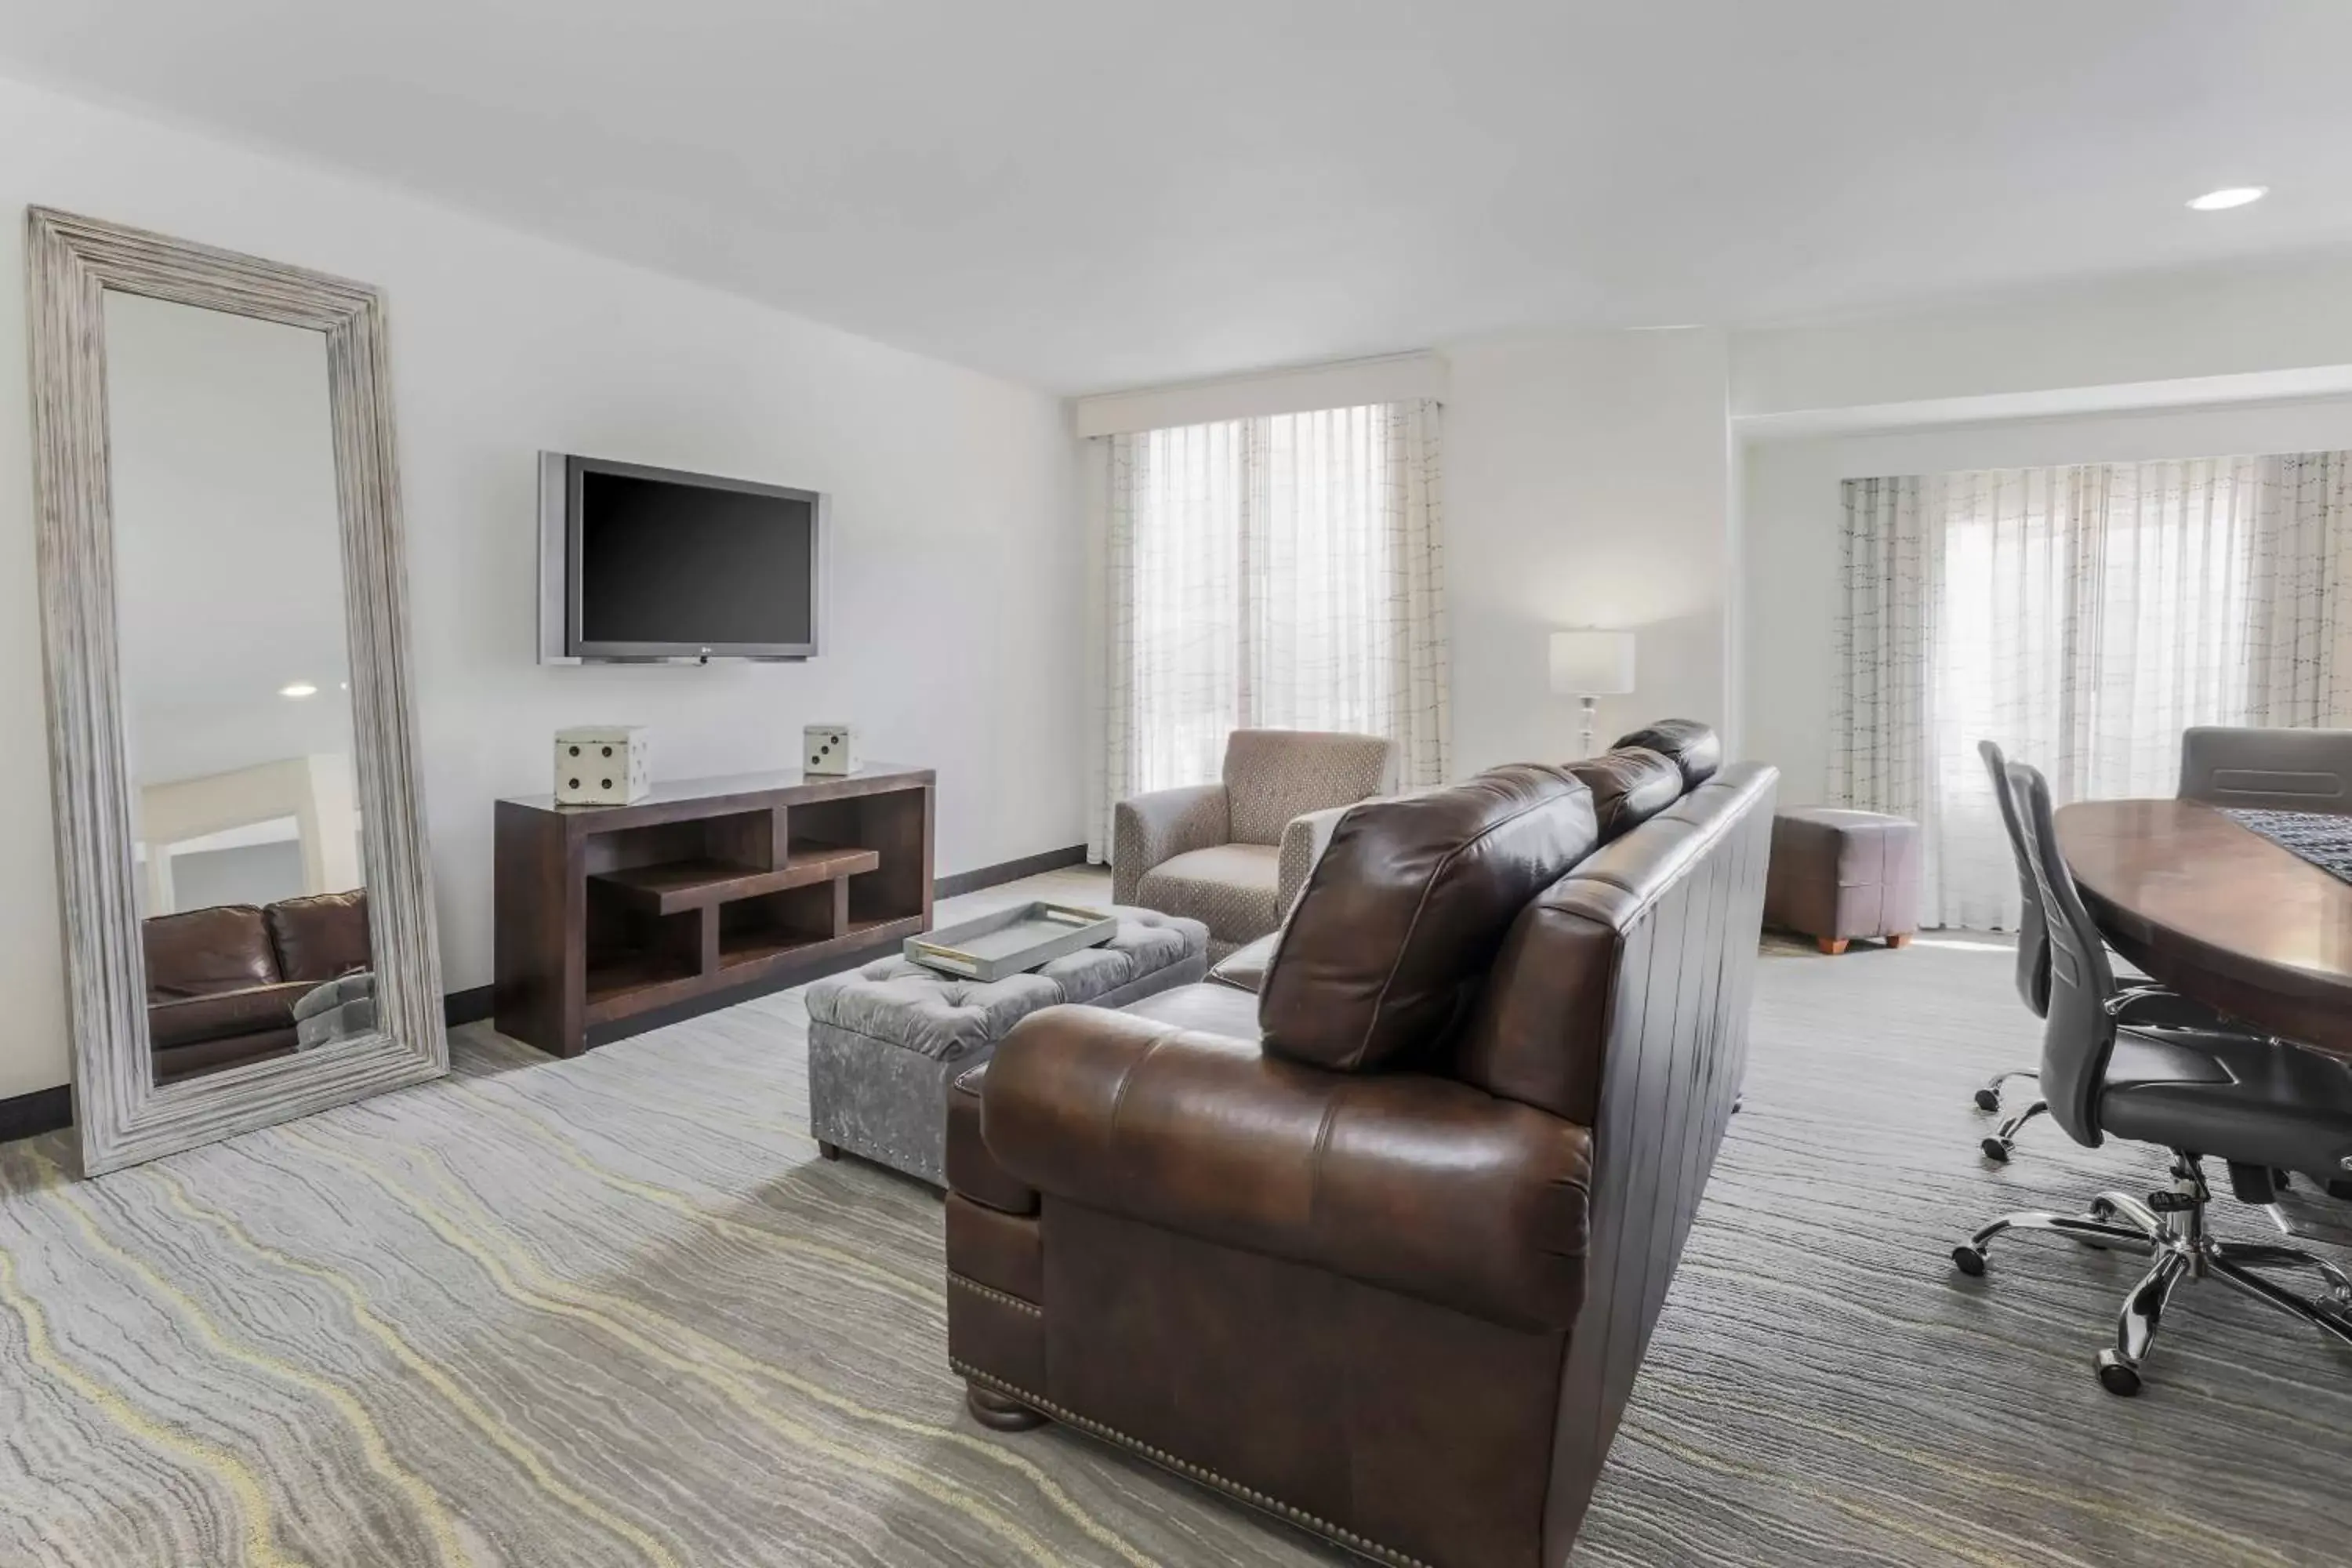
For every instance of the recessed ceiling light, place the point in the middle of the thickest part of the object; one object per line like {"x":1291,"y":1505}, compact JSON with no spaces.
{"x":2233,"y":196}
{"x":299,"y":688}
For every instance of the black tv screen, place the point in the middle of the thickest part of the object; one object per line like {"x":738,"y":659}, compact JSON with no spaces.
{"x":671,"y":565}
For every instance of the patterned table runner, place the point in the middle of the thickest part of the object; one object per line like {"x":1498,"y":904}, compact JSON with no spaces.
{"x":2324,"y":841}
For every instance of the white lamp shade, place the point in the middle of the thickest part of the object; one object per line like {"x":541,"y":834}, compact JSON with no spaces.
{"x":1591,"y":663}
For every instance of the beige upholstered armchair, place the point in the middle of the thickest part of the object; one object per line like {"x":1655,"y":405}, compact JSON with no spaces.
{"x":1223,"y":853}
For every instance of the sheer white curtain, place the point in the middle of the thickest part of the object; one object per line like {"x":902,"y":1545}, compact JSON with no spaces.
{"x":2082,"y":617}
{"x":1285,"y":571}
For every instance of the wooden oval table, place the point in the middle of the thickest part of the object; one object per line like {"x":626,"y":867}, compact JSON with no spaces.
{"x":2219,"y":913}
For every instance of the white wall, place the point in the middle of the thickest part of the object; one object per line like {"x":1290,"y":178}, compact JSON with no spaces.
{"x":957,"y":554}
{"x":1792,"y":516}
{"x":1587,"y":483}
{"x":2288,"y":321}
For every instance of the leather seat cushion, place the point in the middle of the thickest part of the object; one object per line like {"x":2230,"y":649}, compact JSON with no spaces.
{"x":209,"y":1055}
{"x":1245,"y":968}
{"x":1685,"y":743}
{"x":223,"y":1014}
{"x":1210,"y":1008}
{"x":200,"y":952}
{"x":1629,"y":785}
{"x":322,"y":937}
{"x":1231,"y":888}
{"x":1418,"y":1184}
{"x":1406,"y":908}
{"x":2258,"y":1104}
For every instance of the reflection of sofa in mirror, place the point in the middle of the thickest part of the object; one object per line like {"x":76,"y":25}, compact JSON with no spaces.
{"x":223,"y":982}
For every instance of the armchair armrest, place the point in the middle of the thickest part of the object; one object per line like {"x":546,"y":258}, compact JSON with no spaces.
{"x":1422,"y":1186}
{"x":1160,"y":825}
{"x":1304,"y":839}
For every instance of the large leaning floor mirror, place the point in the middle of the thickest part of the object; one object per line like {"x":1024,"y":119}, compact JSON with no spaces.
{"x":240,"y":845}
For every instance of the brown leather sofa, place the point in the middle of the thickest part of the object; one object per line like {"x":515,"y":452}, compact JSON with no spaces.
{"x":222,"y":982}
{"x":1369,"y":1230}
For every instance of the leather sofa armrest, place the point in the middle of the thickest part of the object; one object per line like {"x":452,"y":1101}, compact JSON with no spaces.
{"x":1422,"y":1186}
{"x":1146,"y":829}
{"x":973,"y":1173}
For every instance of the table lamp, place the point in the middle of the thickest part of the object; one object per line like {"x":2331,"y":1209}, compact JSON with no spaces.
{"x":1588,"y":665}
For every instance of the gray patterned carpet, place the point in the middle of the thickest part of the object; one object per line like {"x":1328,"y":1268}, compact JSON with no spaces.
{"x":615,"y":1312}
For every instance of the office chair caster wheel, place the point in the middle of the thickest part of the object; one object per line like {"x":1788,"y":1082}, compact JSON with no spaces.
{"x":1988,"y":1099}
{"x":1969,"y":1261}
{"x":1996,"y":1150}
{"x":2116,"y":1375}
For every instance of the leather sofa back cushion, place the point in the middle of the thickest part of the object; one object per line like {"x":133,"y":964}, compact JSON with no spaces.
{"x":202,"y":951}
{"x":1406,"y":908}
{"x":1685,"y":743}
{"x":1629,"y":785}
{"x":323,"y":937}
{"x":1540,"y":1033}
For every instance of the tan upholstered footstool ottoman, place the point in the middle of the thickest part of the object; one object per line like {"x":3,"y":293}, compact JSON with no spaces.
{"x":1837,"y":874}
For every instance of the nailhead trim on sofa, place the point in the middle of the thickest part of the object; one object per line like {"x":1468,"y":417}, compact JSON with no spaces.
{"x":1257,"y":1500}
{"x":977,"y":1289}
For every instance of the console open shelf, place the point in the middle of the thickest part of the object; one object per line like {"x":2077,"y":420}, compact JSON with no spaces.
{"x":675,"y":885}
{"x":705,"y":891}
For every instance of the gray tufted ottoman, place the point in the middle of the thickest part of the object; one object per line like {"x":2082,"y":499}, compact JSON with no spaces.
{"x":884,"y":1040}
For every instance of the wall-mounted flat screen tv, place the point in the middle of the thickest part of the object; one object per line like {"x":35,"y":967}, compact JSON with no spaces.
{"x":652,"y":563}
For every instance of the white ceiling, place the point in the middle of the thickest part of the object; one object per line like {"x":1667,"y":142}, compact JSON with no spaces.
{"x":1086,"y":193}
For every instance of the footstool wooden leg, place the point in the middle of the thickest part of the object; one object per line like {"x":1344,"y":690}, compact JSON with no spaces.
{"x":998,"y":1412}
{"x":1832,"y":945}
{"x":1899,"y":940}
{"x":830,"y":1150}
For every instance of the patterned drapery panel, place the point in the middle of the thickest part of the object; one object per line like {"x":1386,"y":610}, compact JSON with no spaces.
{"x":1285,"y":571}
{"x":2082,"y":617}
{"x":2300,"y":624}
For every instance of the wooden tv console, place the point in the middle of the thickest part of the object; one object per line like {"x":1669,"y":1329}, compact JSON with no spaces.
{"x":607,"y":913}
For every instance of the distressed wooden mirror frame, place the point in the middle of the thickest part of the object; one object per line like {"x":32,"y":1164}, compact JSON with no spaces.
{"x":124,"y":1116}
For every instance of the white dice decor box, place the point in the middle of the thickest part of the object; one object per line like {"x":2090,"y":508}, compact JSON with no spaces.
{"x":602,"y":764}
{"x":829,"y":749}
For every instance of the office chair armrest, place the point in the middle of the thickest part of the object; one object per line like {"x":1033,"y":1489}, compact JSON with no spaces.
{"x":2155,"y":1008}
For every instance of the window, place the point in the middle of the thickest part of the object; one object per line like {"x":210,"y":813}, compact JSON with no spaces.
{"x":1280,"y":572}
{"x":2082,"y":617}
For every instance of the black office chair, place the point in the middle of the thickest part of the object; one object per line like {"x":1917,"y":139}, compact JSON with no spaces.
{"x":2156,"y":1008}
{"x":2268,"y":770}
{"x":2256,"y":1103}
{"x":2032,"y":959}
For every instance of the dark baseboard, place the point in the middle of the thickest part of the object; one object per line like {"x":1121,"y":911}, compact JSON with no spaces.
{"x":469,"y":1007}
{"x":43,"y":1110}
{"x":1008,"y":871}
